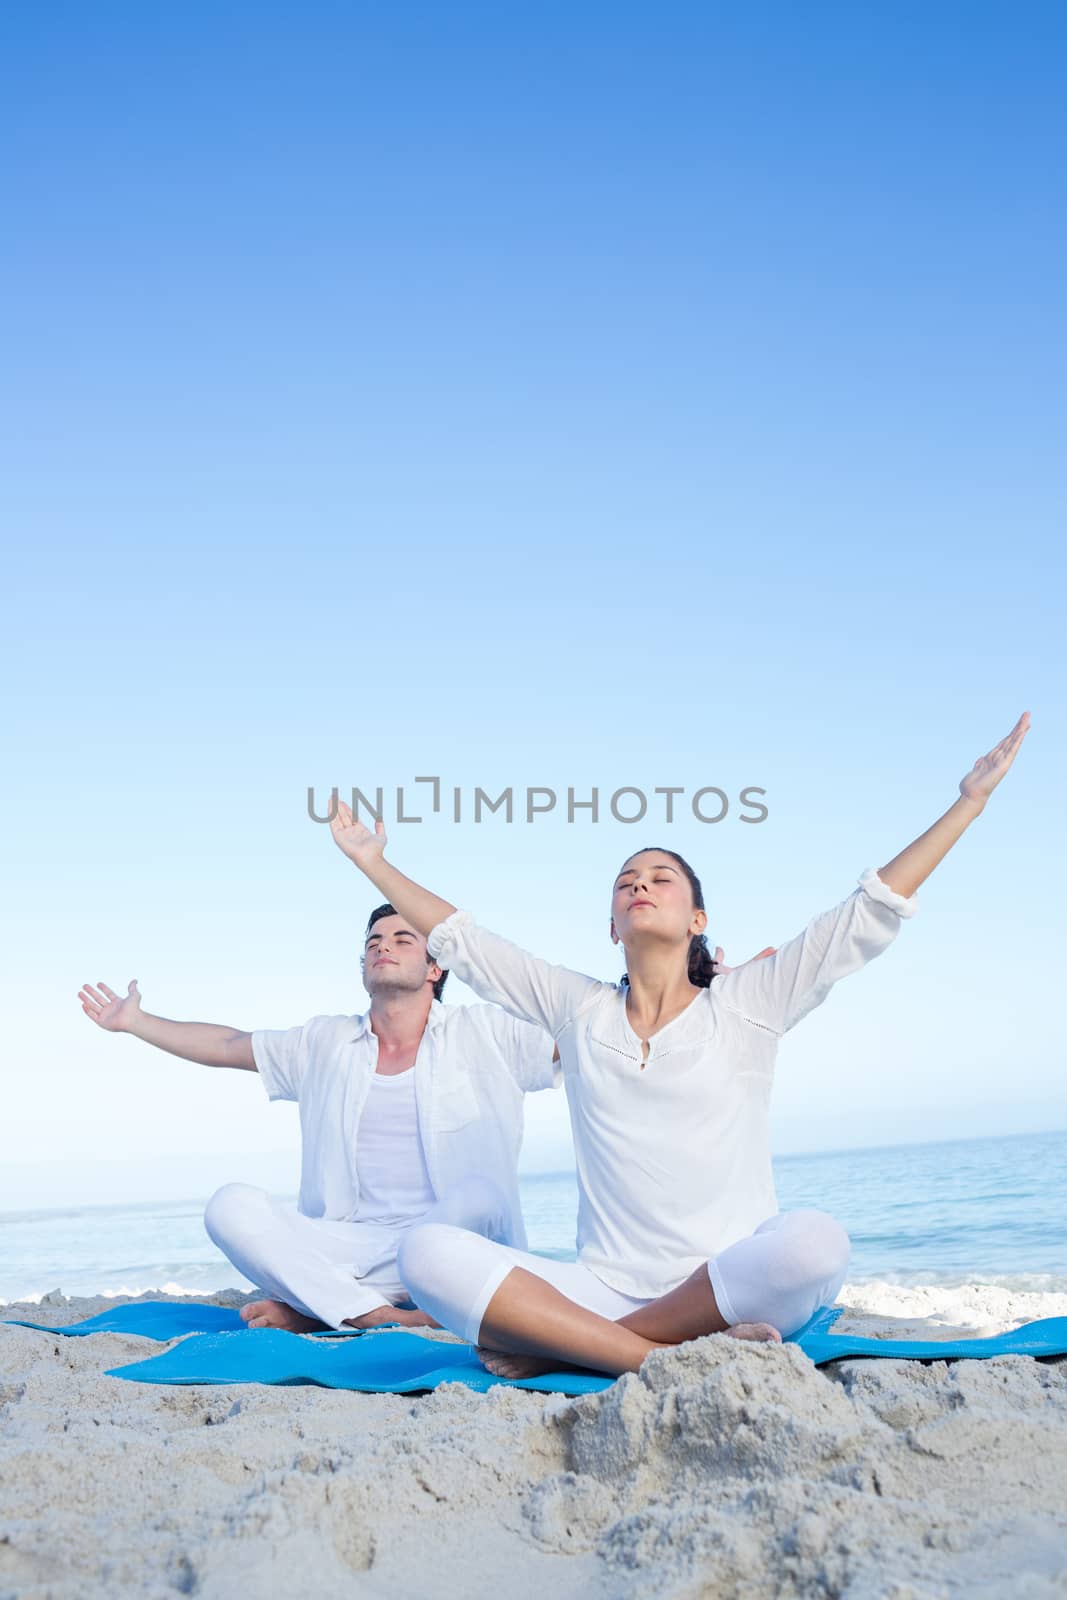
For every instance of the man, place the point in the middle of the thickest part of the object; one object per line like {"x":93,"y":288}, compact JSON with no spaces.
{"x":411,"y":1112}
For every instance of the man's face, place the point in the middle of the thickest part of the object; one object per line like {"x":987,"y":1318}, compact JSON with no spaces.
{"x":394,"y":959}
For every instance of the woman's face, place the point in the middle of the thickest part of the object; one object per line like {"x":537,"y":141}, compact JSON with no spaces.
{"x":652,"y":899}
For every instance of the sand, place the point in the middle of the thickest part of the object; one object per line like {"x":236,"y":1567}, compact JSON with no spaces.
{"x":722,"y":1469}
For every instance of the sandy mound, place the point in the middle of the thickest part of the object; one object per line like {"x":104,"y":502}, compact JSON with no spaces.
{"x":731,"y":1469}
{"x":724,"y":1469}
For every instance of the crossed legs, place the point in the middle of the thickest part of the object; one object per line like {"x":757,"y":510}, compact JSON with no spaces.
{"x":516,"y":1305}
{"x":317,"y":1272}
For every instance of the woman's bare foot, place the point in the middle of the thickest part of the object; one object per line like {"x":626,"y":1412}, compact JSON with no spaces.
{"x":502,"y":1365}
{"x":761,"y":1332}
{"x":276,"y":1314}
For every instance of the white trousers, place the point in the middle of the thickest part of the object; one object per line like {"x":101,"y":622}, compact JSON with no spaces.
{"x":794,"y":1263}
{"x":334,"y":1270}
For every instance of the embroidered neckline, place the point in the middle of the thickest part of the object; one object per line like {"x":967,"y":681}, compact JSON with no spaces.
{"x":628,"y":1055}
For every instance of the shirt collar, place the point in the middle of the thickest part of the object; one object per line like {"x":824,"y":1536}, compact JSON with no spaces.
{"x":361,"y":1025}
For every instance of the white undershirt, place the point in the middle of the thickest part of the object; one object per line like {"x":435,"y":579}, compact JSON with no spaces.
{"x":394,"y":1185}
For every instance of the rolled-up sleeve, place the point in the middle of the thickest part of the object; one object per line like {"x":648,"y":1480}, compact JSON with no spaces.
{"x":903,"y":905}
{"x":281,"y":1056}
{"x":778,"y":991}
{"x":530,"y":1052}
{"x":499,"y":971}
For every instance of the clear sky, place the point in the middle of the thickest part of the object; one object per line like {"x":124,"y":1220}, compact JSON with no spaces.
{"x":561,"y":396}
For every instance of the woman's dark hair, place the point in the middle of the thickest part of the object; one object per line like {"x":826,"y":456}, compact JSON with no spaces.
{"x":391,"y":911}
{"x":702,"y":966}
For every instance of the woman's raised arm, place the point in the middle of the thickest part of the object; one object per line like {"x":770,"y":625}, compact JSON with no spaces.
{"x":777,"y":992}
{"x":414,"y":903}
{"x":914,"y":865}
{"x":497,"y":970}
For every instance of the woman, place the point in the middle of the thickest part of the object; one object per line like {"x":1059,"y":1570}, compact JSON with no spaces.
{"x":668,"y":1078}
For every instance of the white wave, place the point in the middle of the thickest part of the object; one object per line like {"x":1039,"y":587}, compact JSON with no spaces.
{"x":991,"y":1306}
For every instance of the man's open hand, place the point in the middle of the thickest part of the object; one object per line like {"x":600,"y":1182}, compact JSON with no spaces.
{"x":720,"y":958}
{"x":109,"y":1010}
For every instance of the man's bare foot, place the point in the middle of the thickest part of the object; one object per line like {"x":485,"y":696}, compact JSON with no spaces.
{"x":276,"y":1314}
{"x":761,"y":1332}
{"x":382,"y":1315}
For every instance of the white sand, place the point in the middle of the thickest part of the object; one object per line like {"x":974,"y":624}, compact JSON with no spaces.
{"x":722,"y":1470}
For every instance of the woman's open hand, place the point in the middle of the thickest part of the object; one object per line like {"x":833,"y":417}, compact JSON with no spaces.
{"x":355,"y":838}
{"x":988,"y":770}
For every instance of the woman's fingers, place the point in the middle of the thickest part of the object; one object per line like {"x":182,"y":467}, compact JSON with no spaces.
{"x":1004,"y":753}
{"x":1012,"y":739}
{"x":989,"y":769}
{"x":340,"y":816}
{"x":109,"y":992}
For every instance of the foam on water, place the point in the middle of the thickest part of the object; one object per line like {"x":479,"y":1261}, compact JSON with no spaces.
{"x":983,"y":1212}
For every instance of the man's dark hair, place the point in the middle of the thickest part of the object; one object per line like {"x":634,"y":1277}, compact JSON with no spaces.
{"x":391,"y":911}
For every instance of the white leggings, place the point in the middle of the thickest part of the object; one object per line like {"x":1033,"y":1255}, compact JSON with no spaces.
{"x":794,"y":1263}
{"x":327,"y":1269}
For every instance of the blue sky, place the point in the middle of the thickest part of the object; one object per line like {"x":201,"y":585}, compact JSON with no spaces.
{"x":567,"y":396}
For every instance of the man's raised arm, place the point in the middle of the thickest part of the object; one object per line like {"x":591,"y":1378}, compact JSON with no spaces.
{"x":207,"y":1042}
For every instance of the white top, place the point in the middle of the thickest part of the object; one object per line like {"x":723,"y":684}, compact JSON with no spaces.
{"x":673,"y":1161}
{"x":473,"y":1066}
{"x":394,"y":1185}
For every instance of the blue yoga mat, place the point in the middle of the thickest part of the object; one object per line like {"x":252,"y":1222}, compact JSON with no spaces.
{"x":378,"y":1363}
{"x":165,"y":1319}
{"x":1047,"y":1337}
{"x":152,"y":1319}
{"x":387,"y":1362}
{"x":225,"y":1350}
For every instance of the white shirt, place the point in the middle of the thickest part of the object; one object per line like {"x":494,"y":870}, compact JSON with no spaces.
{"x":473,"y":1066}
{"x":673,"y":1161}
{"x":394,"y":1185}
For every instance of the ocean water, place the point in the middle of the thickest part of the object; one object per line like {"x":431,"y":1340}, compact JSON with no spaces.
{"x":988,"y":1211}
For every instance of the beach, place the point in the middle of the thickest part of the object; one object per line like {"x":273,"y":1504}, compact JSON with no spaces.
{"x":721,"y":1469}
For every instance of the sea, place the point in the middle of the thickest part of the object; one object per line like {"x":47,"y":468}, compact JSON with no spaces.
{"x":989,"y":1211}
